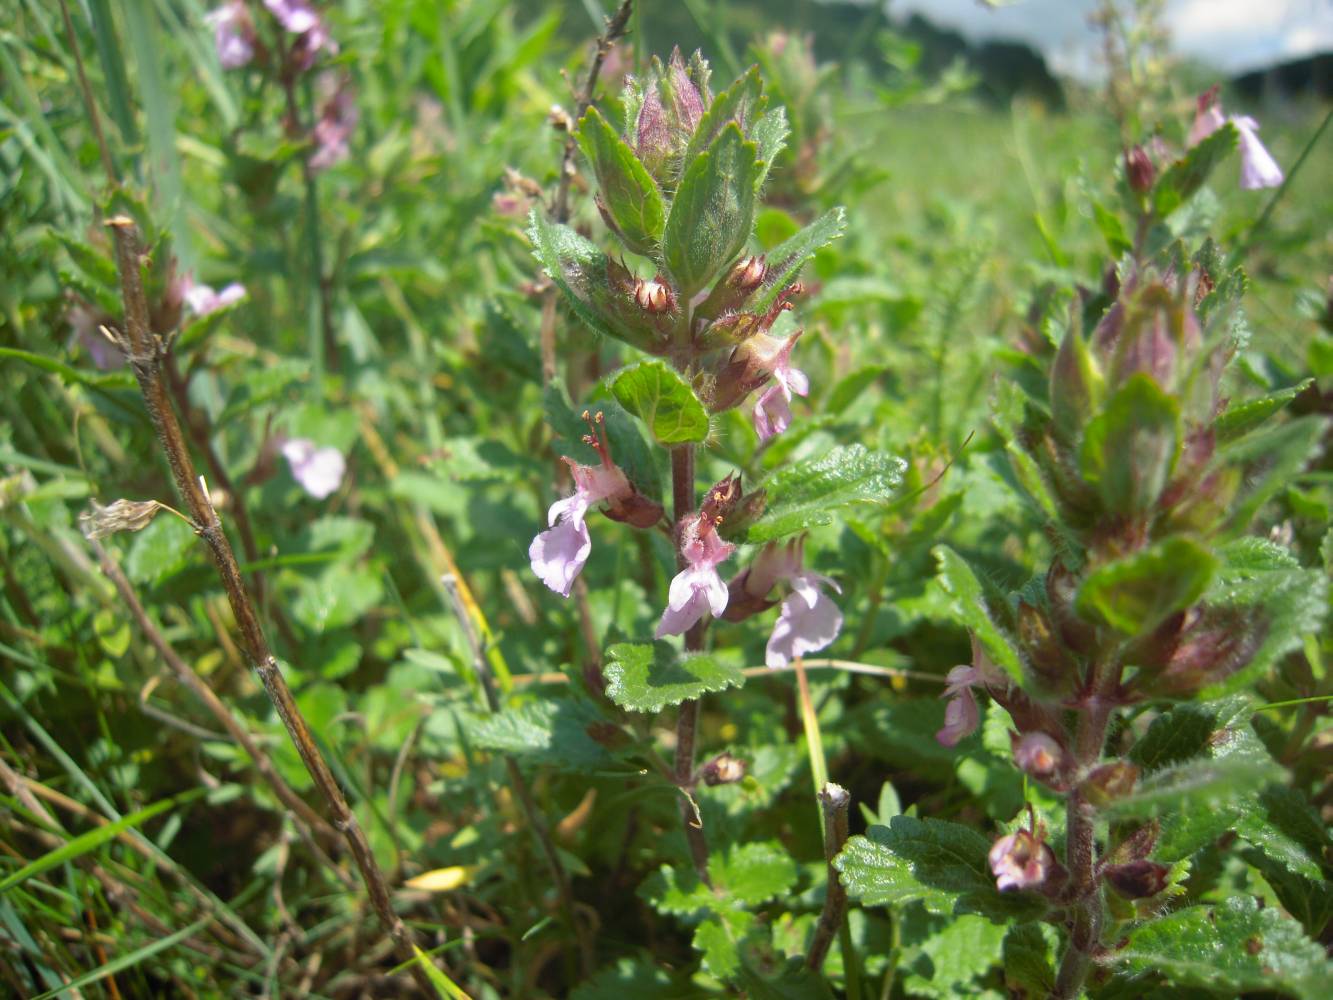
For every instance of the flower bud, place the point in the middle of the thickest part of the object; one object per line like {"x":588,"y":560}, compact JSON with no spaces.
{"x":1139,"y":170}
{"x":1039,"y":755}
{"x":653,"y":296}
{"x":1138,"y":879}
{"x":1110,"y":782}
{"x":724,"y":769}
{"x":721,"y":500}
{"x":748,"y":274}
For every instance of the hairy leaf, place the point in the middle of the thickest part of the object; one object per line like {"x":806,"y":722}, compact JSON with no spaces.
{"x":629,"y":193}
{"x":807,"y":493}
{"x":1136,"y":593}
{"x":968,"y":605}
{"x":646,"y":677}
{"x":655,"y":394}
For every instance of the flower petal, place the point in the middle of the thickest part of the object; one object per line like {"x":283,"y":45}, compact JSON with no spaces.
{"x":809,"y":621}
{"x":677,"y":620}
{"x":558,"y":554}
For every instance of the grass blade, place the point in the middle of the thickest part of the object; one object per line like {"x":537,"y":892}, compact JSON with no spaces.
{"x":126,"y":961}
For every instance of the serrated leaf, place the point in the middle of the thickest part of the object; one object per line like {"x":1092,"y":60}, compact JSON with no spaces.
{"x":770,"y":136}
{"x":808,"y":493}
{"x":716,"y":939}
{"x":1197,"y":785}
{"x":573,"y":263}
{"x":659,"y":397}
{"x":943,"y":865}
{"x":946,"y":963}
{"x":712,"y":213}
{"x":1129,"y":449}
{"x":647,"y":677}
{"x":1029,"y":960}
{"x":787,"y":258}
{"x":968,"y":604}
{"x":628,"y":191}
{"x":557,"y":732}
{"x":739,"y":103}
{"x":1234,"y":946}
{"x":1183,"y":178}
{"x":1309,"y":900}
{"x":1243,"y":417}
{"x":1186,"y":730}
{"x":754,"y":873}
{"x":1136,"y":593}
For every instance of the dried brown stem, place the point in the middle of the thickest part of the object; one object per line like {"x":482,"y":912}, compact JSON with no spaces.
{"x":144,"y":352}
{"x":834,"y":801}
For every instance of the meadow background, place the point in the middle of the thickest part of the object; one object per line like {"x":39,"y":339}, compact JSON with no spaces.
{"x":393,"y":312}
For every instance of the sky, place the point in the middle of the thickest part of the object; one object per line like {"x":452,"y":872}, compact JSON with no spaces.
{"x":1233,"y":35}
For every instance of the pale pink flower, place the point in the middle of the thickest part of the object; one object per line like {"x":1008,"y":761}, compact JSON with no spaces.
{"x":808,"y":622}
{"x":961,"y":715}
{"x":1038,"y":754}
{"x":233,"y":34}
{"x":1021,"y":861}
{"x":772,"y":411}
{"x":202,"y":299}
{"x":698,"y":588}
{"x":296,"y":16}
{"x":1258,"y":169}
{"x":318,"y":470}
{"x":559,"y":553}
{"x":301,"y":19}
{"x":337,"y":120}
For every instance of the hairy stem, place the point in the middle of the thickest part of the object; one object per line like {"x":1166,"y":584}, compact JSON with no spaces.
{"x":1080,"y":844}
{"x":144,"y":352}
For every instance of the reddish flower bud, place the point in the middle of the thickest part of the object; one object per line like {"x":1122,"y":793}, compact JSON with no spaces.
{"x":1039,"y":755}
{"x":1139,"y":169}
{"x":654,"y":296}
{"x":1138,"y":879}
{"x":724,"y":769}
{"x":748,"y":274}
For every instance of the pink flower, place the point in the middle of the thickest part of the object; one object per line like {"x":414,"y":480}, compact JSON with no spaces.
{"x":1021,"y":861}
{"x":233,"y":34}
{"x":318,"y":470}
{"x":809,"y":620}
{"x":559,"y":553}
{"x":697,"y":588}
{"x":1038,"y":754}
{"x":961,"y":715}
{"x":1258,"y":169}
{"x":301,"y":19}
{"x":202,"y":300}
{"x":772,"y":411}
{"x":337,"y":120}
{"x":296,"y":16}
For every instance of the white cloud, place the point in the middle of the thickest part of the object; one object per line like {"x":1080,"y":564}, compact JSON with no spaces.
{"x":1233,"y":35}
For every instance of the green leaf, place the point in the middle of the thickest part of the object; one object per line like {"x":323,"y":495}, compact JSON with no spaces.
{"x":787,"y":258}
{"x":1232,"y":946}
{"x":942,"y":865}
{"x":793,"y":981}
{"x":849,"y":389}
{"x":93,"y":839}
{"x":946,"y":964}
{"x":968,"y":604}
{"x":126,"y":961}
{"x":1197,"y":785}
{"x":655,"y":394}
{"x":770,"y":136}
{"x":1138,"y":592}
{"x":1186,"y":731}
{"x":739,"y":103}
{"x":162,"y":549}
{"x":628,"y":978}
{"x":569,"y":734}
{"x":337,"y":597}
{"x":807,"y":493}
{"x":647,"y":677}
{"x":712,"y":213}
{"x":1270,"y":459}
{"x":753,"y":873}
{"x":444,"y":987}
{"x":1184,"y":177}
{"x":628,"y":191}
{"x":1244,"y":417}
{"x":1029,"y":960}
{"x":1129,"y":449}
{"x":1309,"y":900}
{"x":572,"y":262}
